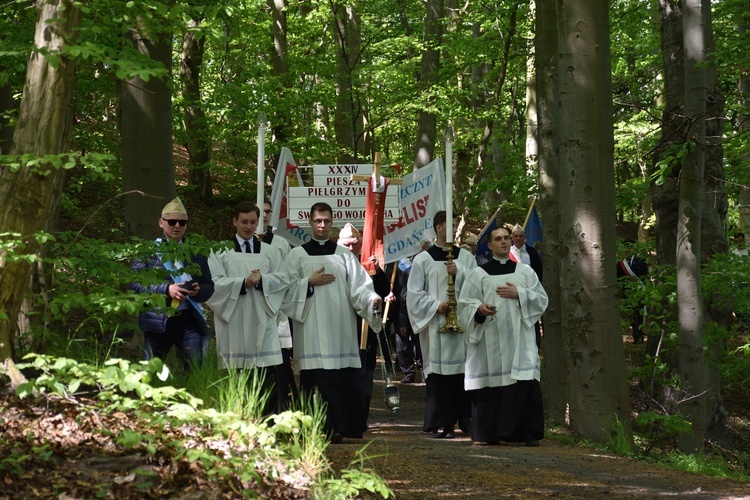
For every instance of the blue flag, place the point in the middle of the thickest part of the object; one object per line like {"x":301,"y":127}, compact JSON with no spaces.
{"x":484,"y":253}
{"x":533,"y":230}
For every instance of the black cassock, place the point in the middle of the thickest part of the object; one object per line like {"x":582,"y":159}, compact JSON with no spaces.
{"x":512,"y":413}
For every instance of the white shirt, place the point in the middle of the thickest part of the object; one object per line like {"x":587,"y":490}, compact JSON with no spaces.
{"x":521,"y":254}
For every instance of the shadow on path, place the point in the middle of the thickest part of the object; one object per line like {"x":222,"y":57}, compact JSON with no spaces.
{"x":419,"y":465}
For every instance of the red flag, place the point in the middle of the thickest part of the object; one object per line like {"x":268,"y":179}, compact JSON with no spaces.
{"x":372,"y":234}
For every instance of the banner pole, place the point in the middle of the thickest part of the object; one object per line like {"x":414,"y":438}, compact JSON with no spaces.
{"x":489,"y":221}
{"x":528,"y":214}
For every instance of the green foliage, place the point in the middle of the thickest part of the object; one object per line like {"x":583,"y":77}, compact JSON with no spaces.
{"x":619,"y":439}
{"x":657,"y":430}
{"x":124,"y":383}
{"x":673,"y":157}
{"x":709,"y":465}
{"x":89,"y":305}
{"x":353,"y":481}
{"x":17,"y":461}
{"x":293,"y":437}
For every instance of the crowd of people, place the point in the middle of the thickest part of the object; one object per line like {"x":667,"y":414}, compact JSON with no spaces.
{"x":315,"y":310}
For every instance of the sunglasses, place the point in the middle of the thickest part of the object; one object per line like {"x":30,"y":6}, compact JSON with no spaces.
{"x":175,"y":222}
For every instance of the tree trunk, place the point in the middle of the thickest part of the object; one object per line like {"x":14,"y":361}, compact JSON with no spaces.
{"x":554,"y":370}
{"x":688,"y":256}
{"x":279,"y":67}
{"x":713,"y":241}
{"x":598,"y":392}
{"x":664,"y":196}
{"x":146,"y":138}
{"x":43,"y":128}
{"x":197,"y":130}
{"x":349,"y":120}
{"x":424,"y":148}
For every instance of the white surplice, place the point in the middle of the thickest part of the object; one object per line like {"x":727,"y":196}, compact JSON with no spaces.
{"x":442,"y":353}
{"x":285,"y":333}
{"x":502,"y":351}
{"x":246,"y":327}
{"x":324,"y":323}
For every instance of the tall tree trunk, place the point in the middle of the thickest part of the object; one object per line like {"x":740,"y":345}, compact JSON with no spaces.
{"x":598,"y":392}
{"x":664,"y":195}
{"x":279,"y":69}
{"x":197,"y":130}
{"x":424,"y":148}
{"x":554,"y":370}
{"x":713,"y":241}
{"x":146,"y":138}
{"x":688,"y":256}
{"x":43,"y":128}
{"x":349,"y":120}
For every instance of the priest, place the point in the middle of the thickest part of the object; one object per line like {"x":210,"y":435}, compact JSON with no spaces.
{"x":498,"y":306}
{"x":328,"y":287}
{"x":249,"y":287}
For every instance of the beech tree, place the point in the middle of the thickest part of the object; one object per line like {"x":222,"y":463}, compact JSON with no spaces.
{"x":146,"y":134}
{"x":690,"y":302}
{"x":598,"y":393}
{"x":548,"y":122}
{"x":42,"y":132}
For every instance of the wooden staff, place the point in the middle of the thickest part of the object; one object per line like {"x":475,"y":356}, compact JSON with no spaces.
{"x":388,"y":304}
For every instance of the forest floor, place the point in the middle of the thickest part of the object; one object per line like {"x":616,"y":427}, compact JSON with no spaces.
{"x":81,"y":461}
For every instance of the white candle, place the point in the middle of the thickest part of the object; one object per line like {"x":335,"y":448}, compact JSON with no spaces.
{"x":260,"y":191}
{"x":449,"y":184}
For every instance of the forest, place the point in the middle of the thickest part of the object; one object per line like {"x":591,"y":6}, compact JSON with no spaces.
{"x":619,"y":120}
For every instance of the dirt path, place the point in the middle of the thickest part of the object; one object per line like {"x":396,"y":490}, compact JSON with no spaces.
{"x":417,"y":465}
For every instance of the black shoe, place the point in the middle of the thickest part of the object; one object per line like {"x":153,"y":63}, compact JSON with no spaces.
{"x":531,"y":441}
{"x":448,"y":432}
{"x":337,"y":438}
{"x":464,"y":424}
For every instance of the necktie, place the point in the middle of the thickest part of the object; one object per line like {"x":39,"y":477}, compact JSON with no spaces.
{"x":248,"y":248}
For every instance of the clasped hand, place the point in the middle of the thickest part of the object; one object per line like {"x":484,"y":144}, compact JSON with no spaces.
{"x":253,"y":279}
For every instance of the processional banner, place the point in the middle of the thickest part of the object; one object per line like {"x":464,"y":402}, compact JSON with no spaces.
{"x":421,"y":195}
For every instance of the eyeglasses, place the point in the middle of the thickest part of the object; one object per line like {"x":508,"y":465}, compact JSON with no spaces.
{"x":323,"y":222}
{"x":175,"y":222}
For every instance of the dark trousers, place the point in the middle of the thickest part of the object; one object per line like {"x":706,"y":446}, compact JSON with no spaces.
{"x":286,"y":388}
{"x":409,"y":354}
{"x":182,"y":331}
{"x":340,"y":391}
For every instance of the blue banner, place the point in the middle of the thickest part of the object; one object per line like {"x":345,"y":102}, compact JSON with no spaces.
{"x":533,"y":230}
